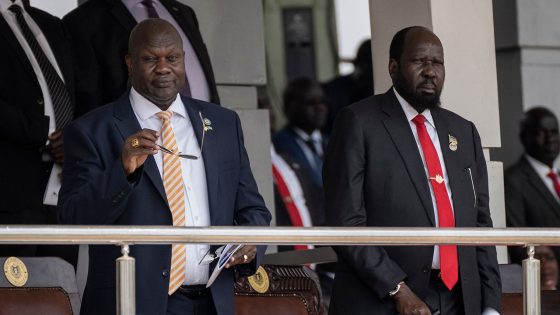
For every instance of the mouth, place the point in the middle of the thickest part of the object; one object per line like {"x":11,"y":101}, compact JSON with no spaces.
{"x":427,"y":88}
{"x":162,"y":84}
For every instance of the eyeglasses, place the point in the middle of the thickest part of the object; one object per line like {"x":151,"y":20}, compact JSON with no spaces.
{"x":187,"y":156}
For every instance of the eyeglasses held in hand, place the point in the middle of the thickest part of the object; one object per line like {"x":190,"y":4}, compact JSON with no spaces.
{"x":187,"y":156}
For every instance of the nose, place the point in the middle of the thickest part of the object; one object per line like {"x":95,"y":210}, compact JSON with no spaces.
{"x":162,"y":66}
{"x":429,"y":70}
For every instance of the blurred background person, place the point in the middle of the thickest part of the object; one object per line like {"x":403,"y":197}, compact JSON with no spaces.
{"x":347,"y":89}
{"x":532,"y":188}
{"x":302,"y":139}
{"x":37,"y":102}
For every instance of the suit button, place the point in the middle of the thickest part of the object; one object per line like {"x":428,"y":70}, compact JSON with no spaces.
{"x":425,"y":270}
{"x":165,"y":274}
{"x":40,"y":101}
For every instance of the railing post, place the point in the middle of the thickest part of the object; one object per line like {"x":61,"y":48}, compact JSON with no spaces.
{"x":126,"y":284}
{"x":531,"y":283}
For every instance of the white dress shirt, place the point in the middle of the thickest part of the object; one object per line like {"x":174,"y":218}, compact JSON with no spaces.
{"x":410,"y":113}
{"x":195,"y":74}
{"x":10,"y":18}
{"x":197,"y":211}
{"x":542,"y":170}
{"x":316,"y":138}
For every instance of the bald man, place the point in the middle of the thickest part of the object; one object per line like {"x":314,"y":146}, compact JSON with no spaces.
{"x":123,"y":168}
{"x":400,"y":160}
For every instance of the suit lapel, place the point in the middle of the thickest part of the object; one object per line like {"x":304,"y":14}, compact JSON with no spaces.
{"x":122,"y":15}
{"x":127,"y":124}
{"x":537,"y":183}
{"x":399,"y":130}
{"x":8,"y":34}
{"x":209,"y":149}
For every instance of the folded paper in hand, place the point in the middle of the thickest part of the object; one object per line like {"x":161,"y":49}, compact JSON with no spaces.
{"x":227,"y":253}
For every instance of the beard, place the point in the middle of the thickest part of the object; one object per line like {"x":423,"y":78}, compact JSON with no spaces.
{"x":415,"y":98}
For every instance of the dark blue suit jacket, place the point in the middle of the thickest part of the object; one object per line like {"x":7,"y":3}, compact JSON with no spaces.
{"x":285,"y":143}
{"x":96,"y":191}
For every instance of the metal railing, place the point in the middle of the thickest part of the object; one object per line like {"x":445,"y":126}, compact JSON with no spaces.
{"x":126,"y":236}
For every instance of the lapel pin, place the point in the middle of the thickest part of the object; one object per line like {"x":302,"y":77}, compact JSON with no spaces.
{"x":207,"y":124}
{"x":452,"y":143}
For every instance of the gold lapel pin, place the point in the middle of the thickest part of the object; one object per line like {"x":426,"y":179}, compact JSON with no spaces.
{"x":452,"y":143}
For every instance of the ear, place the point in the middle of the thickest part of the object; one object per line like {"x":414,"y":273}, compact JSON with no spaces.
{"x":393,"y":68}
{"x":128,"y":61}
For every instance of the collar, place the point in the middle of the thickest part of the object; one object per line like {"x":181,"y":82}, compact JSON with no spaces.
{"x":410,"y":112}
{"x":146,"y":109}
{"x":5,"y":4}
{"x":129,"y":4}
{"x":315,"y":136}
{"x":539,"y":167}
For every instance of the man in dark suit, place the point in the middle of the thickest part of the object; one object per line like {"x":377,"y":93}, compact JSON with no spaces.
{"x":123,"y":168}
{"x":532,"y":189}
{"x":100,"y":30}
{"x":400,"y":160}
{"x":37,"y":100}
{"x":302,"y":139}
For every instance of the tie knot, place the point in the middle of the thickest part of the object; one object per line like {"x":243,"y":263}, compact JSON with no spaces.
{"x":15,"y":8}
{"x":552,"y":175}
{"x":148,"y":3}
{"x":165,"y":116}
{"x":419,"y":120}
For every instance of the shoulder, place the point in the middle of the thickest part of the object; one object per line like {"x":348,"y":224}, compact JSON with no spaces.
{"x":41,"y":17}
{"x":213,"y":111}
{"x":283,"y":136}
{"x":95,"y":118}
{"x":367,"y":109}
{"x":453,"y":119}
{"x":87,"y":12}
{"x":517,"y":170}
{"x":176,"y":4}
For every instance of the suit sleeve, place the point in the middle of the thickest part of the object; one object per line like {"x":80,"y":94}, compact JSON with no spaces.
{"x":250,"y":209}
{"x":94,"y":190}
{"x":491,"y":287}
{"x":343,"y":172}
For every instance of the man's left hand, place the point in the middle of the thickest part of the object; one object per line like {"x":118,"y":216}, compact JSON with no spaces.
{"x":55,"y":146}
{"x":244,"y":255}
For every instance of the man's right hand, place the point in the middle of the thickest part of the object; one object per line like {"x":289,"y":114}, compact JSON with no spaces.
{"x":407,"y":303}
{"x":137,"y":148}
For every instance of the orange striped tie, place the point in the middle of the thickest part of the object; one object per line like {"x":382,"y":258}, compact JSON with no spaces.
{"x":173,"y":184}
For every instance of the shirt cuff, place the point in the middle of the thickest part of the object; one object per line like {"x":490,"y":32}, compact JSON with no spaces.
{"x":490,"y":311}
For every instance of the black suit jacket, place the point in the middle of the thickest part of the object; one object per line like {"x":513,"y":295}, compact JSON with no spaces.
{"x":96,"y":191}
{"x":100,"y":31}
{"x":23,"y":125}
{"x":374,"y":176}
{"x":529,"y":203}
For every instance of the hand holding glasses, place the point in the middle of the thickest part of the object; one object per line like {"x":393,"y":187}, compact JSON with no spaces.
{"x":187,"y":156}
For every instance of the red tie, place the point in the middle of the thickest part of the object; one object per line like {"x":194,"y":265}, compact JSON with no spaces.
{"x":447,"y":253}
{"x":554,"y":178}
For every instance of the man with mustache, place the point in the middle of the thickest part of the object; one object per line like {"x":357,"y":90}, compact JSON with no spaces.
{"x":123,"y":168}
{"x":400,"y":160}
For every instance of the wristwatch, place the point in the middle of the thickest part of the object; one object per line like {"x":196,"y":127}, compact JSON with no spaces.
{"x":396,"y":289}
